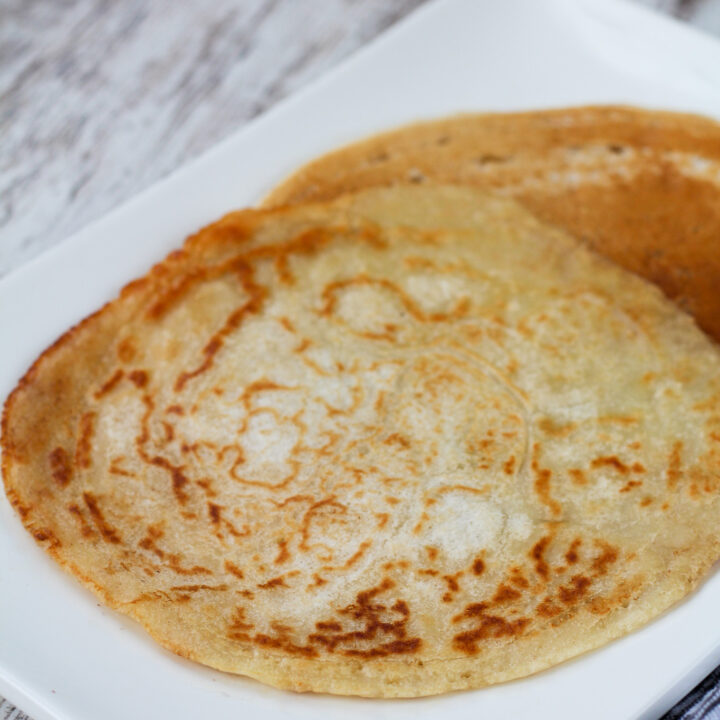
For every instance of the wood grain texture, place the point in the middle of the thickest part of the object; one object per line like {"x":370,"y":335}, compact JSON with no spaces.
{"x":99,"y":99}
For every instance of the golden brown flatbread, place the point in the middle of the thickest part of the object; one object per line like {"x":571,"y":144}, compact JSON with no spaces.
{"x":640,"y":187}
{"x":403,"y":443}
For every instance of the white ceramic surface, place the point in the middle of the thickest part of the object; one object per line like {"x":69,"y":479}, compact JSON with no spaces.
{"x":63,"y":656}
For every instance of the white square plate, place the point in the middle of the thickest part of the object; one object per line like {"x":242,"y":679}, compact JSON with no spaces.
{"x":64,"y":657}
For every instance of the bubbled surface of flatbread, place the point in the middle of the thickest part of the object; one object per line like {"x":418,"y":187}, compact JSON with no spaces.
{"x":640,"y":187}
{"x":403,"y":443}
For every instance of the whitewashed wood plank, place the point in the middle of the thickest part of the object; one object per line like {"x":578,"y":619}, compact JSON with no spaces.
{"x":101,"y":99}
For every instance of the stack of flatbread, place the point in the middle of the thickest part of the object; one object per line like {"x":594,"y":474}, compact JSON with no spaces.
{"x":445,"y":412}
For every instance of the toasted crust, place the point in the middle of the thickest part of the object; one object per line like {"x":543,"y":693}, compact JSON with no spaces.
{"x":638,"y":186}
{"x":406,"y":442}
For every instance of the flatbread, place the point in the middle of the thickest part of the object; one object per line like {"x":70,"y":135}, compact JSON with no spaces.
{"x":406,"y":442}
{"x":640,"y":187}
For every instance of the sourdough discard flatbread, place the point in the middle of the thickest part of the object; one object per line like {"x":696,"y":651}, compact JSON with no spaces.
{"x":406,"y":442}
{"x":640,"y":187}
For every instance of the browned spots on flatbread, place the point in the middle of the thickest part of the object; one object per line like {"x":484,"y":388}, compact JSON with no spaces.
{"x":576,"y":589}
{"x":452,"y":582}
{"x":578,"y":476}
{"x":287,"y":324}
{"x":239,"y":624}
{"x":258,"y":386}
{"x":43,"y":535}
{"x":214,"y":512}
{"x":368,"y":628}
{"x":283,"y":554}
{"x":239,"y":629}
{"x":213,"y":346}
{"x":618,"y":419}
{"x":283,"y":483}
{"x":571,"y":556}
{"x":486,"y":626}
{"x":232,"y":529}
{"x":60,"y":466}
{"x":233,"y":569}
{"x":542,"y":482}
{"x":306,"y":242}
{"x":509,"y":465}
{"x":139,"y":378}
{"x":673,"y":473}
{"x":108,"y":532}
{"x":393,"y":647}
{"x":615,"y":463}
{"x":608,"y":556}
{"x":174,"y":291}
{"x":282,"y":643}
{"x":332,"y":290}
{"x":555,"y":429}
{"x":548,"y":608}
{"x":462,"y":488}
{"x":330,"y":625}
{"x":453,"y":585}
{"x":85,"y":528}
{"x":197,"y":588}
{"x":537,"y":553}
{"x":149,"y":541}
{"x":505,"y":593}
{"x":498,"y":615}
{"x":517,"y":577}
{"x":275,"y":582}
{"x":363,"y":547}
{"x":424,"y":517}
{"x":110,"y":384}
{"x":252,"y":306}
{"x":621,"y":595}
{"x":83,"y":449}
{"x":126,"y":350}
{"x":207,"y":487}
{"x":329,"y":504}
{"x":397,"y":439}
{"x":178,"y":478}
{"x":116,"y":468}
{"x":175,"y":563}
{"x":169,"y":431}
{"x":428,"y":571}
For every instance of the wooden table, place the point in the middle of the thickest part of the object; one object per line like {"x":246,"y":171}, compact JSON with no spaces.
{"x":100,"y":99}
